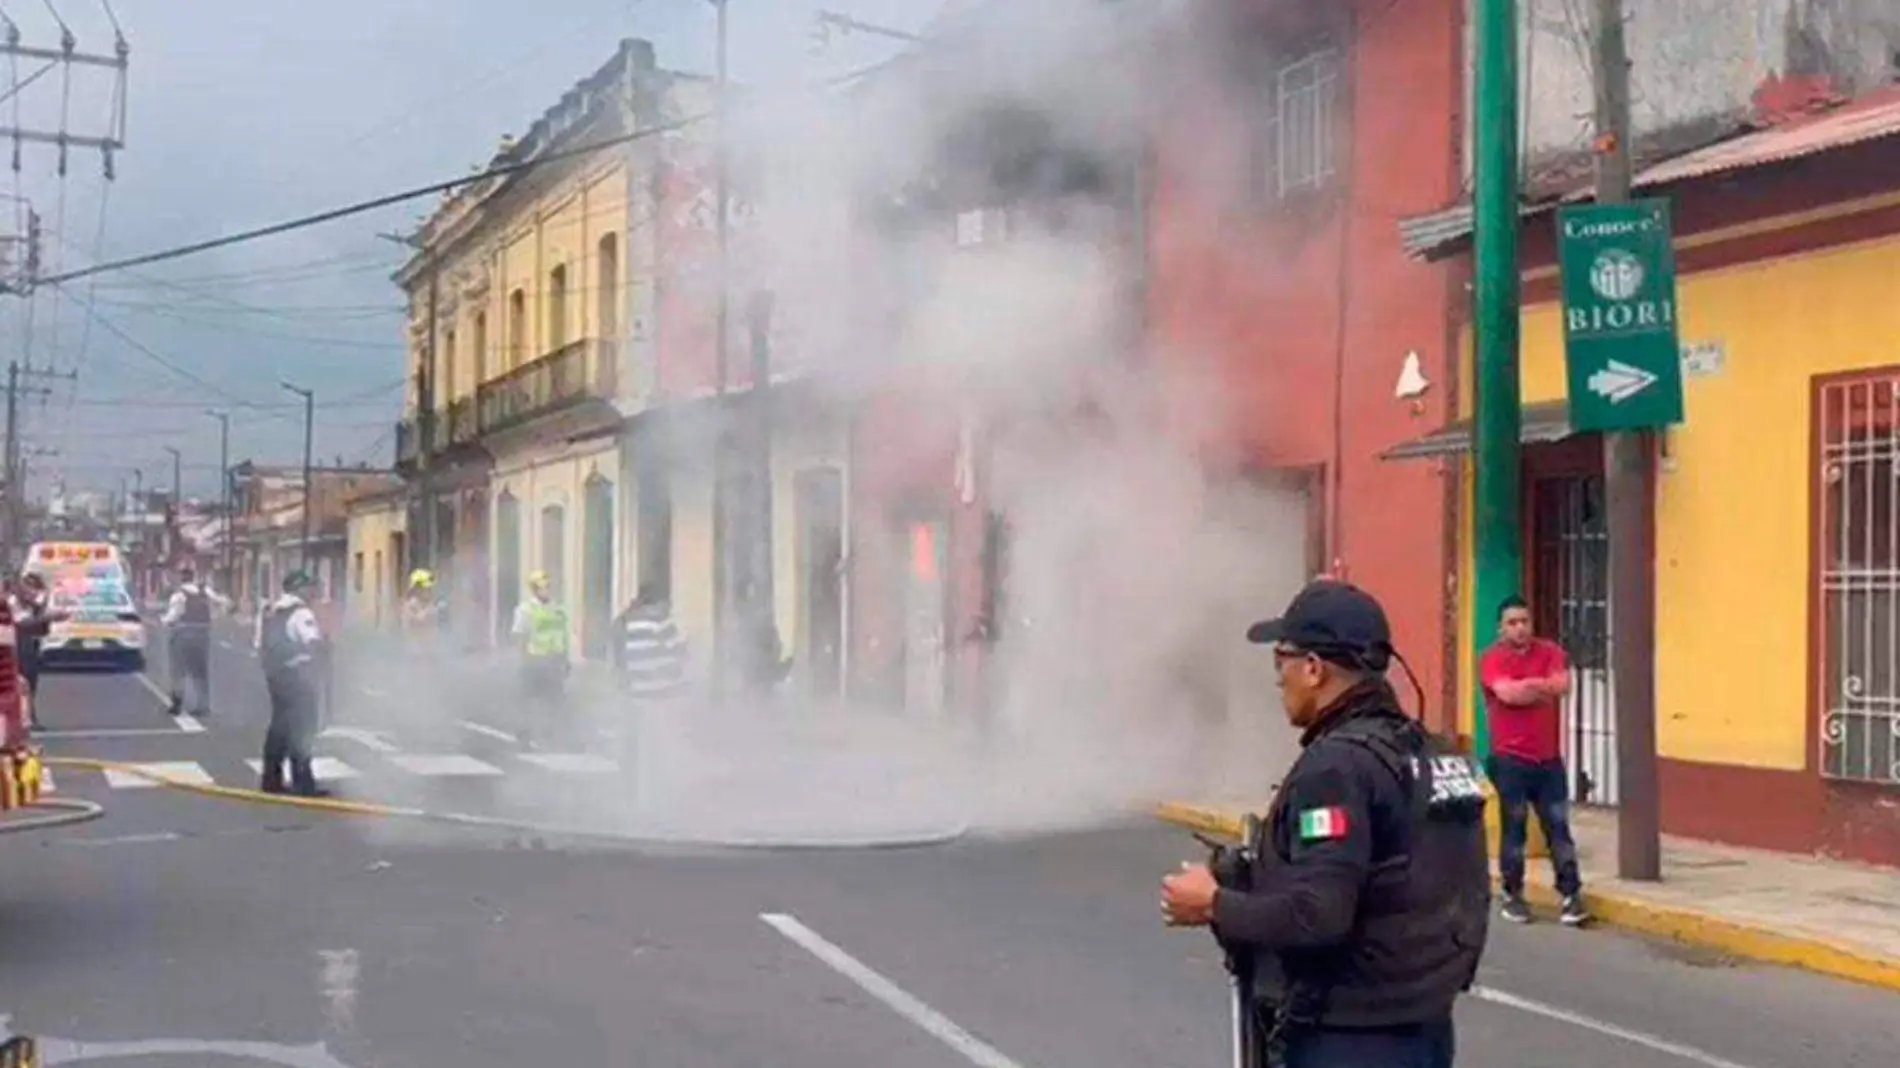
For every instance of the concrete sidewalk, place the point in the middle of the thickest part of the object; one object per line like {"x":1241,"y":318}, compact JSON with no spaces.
{"x":1829,"y":917}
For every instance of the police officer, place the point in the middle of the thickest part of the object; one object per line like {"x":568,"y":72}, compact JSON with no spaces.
{"x":187,"y":621}
{"x":289,"y":643}
{"x":1363,"y":910}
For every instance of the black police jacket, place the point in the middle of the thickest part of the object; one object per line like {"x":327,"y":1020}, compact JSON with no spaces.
{"x":1369,"y":900}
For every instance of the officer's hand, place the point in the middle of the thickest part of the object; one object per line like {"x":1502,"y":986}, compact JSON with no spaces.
{"x":1187,"y":897}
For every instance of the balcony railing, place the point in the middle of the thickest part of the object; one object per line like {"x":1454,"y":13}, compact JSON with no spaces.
{"x":572,"y":375}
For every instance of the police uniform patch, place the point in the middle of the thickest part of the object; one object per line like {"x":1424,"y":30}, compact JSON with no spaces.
{"x":1323,"y":824}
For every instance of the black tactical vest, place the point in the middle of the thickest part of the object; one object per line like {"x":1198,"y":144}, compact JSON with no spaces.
{"x":282,"y":656}
{"x":1423,"y":914}
{"x":197,"y":608}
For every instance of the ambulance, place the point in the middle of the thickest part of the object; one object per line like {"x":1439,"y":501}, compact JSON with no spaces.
{"x":87,"y":580}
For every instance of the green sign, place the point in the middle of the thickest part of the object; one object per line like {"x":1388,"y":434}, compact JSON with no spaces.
{"x":1620,"y":344}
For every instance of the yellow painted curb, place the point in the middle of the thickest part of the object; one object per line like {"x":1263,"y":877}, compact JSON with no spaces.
{"x":1736,"y":939}
{"x":1676,"y":924}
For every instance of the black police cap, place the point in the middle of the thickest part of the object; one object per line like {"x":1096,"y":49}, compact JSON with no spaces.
{"x":1333,"y":620}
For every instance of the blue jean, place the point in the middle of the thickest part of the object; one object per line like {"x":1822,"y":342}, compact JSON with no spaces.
{"x":1431,"y":1045}
{"x":1525,"y":786}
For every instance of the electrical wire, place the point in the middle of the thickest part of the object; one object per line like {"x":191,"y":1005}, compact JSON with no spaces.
{"x":360,"y":207}
{"x":170,"y":365}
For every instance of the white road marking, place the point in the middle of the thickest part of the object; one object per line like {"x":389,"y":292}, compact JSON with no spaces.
{"x":337,"y":981}
{"x":46,"y":781}
{"x":105,"y":732}
{"x":185,"y":771}
{"x":186,"y":723}
{"x":492,"y":732}
{"x":443,"y":765}
{"x":327,"y":769}
{"x":1603,"y":1027}
{"x":972,"y":1048}
{"x":371,"y":739}
{"x":573,"y":763}
{"x":130,"y":839}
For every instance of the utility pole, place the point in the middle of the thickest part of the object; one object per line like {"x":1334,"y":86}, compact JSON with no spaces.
{"x":1496,"y":449}
{"x":722,"y":322}
{"x":68,"y":56}
{"x":1629,"y":482}
{"x":177,"y":503}
{"x":15,"y":470}
{"x":422,"y":549}
{"x":762,"y":638}
{"x":309,"y":424}
{"x":224,"y":495}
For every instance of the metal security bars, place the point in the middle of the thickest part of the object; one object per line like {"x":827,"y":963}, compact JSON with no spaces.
{"x":1857,"y":561}
{"x":1298,"y":139}
{"x":1573,"y":565}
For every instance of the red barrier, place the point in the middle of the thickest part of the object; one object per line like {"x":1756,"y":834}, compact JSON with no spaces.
{"x":13,"y":711}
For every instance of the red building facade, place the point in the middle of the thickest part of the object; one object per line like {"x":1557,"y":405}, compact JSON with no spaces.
{"x":1297,"y":133}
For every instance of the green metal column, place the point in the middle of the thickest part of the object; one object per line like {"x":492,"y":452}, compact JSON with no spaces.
{"x":1495,"y":447}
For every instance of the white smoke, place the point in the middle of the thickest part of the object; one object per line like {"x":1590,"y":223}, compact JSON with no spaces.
{"x":1121,"y":676}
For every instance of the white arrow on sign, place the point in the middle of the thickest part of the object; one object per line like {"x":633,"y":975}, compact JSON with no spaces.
{"x":373,"y":739}
{"x":1618,"y":381}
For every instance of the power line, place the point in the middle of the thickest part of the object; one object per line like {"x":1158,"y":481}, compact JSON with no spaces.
{"x":432,"y":189}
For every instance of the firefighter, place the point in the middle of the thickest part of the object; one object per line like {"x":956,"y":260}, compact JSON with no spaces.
{"x":289,"y":643}
{"x":541,"y":625}
{"x":34,"y":617}
{"x":421,"y":608}
{"x":187,"y":621}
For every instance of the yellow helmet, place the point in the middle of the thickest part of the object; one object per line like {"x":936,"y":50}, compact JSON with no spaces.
{"x":421,"y":579}
{"x":538,"y":580}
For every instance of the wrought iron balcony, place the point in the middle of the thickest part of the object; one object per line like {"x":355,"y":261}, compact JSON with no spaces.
{"x":576,"y":374}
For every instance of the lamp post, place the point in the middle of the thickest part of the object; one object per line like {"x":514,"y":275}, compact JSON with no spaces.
{"x":309,"y":422}
{"x":178,"y":500}
{"x":225,"y":580}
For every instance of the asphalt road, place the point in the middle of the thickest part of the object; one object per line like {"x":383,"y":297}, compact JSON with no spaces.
{"x":184,"y":931}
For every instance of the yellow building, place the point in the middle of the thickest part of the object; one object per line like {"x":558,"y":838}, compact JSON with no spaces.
{"x":531,"y":295}
{"x":1777,"y":527}
{"x":377,"y":524}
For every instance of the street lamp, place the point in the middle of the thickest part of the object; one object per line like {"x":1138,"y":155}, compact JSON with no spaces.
{"x":224,"y":492}
{"x":309,"y":422}
{"x":178,"y":501}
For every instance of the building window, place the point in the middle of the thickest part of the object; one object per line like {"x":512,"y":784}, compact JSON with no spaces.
{"x":507,"y":563}
{"x":557,"y":308}
{"x":357,"y":581}
{"x":554,"y":549}
{"x":597,"y":569}
{"x":1857,"y":575}
{"x":481,"y":347}
{"x":609,"y":315}
{"x":517,"y":327}
{"x":1298,"y":140}
{"x":445,"y":376}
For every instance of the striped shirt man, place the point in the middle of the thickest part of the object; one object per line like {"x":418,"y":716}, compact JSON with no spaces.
{"x":650,"y":656}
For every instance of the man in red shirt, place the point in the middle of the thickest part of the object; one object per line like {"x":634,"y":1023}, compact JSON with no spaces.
{"x":1525,"y":679}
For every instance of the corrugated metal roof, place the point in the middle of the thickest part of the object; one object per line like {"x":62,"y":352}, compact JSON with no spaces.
{"x":1870,"y":118}
{"x":1542,"y":422}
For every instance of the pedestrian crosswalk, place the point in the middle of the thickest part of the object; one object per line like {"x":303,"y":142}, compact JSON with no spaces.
{"x":441,"y":766}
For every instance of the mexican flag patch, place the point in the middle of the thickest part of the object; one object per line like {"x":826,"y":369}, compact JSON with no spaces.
{"x":1323,"y":824}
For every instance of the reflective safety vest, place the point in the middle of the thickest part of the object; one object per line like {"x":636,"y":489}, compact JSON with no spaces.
{"x":547,"y":629}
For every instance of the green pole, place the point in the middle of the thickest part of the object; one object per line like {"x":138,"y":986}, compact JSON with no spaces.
{"x":1495,"y":448}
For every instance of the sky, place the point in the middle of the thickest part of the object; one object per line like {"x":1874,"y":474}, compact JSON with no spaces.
{"x":241,"y":113}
